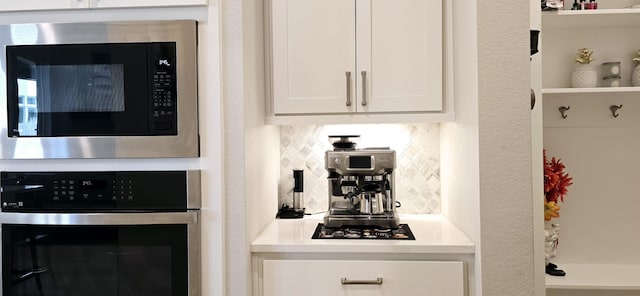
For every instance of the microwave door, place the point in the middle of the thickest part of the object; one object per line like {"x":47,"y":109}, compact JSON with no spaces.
{"x":82,"y":90}
{"x":99,"y":90}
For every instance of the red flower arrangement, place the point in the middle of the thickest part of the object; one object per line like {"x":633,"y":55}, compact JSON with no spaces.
{"x":556,"y":182}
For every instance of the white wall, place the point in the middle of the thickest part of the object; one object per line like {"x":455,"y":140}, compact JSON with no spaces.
{"x":211,"y":163}
{"x":536,"y":154}
{"x":234,"y":144}
{"x":487,"y":151}
{"x":251,"y":147}
{"x":459,"y":140}
{"x":210,"y":121}
{"x":416,"y":176}
{"x":599,"y":217}
{"x":263,"y":141}
{"x":505,"y":148}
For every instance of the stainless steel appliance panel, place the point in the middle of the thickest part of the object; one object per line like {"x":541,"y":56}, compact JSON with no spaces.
{"x":66,"y":252}
{"x":103,"y":191}
{"x":185,"y":144}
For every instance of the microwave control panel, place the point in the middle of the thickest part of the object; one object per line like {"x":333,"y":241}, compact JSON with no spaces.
{"x":164,"y":110}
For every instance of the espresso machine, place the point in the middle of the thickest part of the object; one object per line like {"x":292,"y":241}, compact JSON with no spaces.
{"x":361,"y":185}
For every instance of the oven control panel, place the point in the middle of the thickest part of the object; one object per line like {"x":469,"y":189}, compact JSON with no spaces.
{"x":97,"y":191}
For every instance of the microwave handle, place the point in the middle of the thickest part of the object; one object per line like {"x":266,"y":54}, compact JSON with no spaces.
{"x":187,"y":217}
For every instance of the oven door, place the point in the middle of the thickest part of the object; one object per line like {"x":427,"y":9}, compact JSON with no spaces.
{"x":138,"y":254}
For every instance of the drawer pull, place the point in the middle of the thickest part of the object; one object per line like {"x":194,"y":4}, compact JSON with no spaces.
{"x":345,"y":281}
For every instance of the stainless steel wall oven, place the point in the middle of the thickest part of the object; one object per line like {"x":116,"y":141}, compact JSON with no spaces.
{"x":99,"y":90}
{"x":100,"y":233}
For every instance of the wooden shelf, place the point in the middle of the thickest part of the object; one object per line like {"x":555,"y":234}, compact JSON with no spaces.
{"x":596,"y":277}
{"x":570,"y":90}
{"x":598,"y":18}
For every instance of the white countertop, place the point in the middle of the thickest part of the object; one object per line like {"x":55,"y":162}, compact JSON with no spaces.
{"x":434,"y":234}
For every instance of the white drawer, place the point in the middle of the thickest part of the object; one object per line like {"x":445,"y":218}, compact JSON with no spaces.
{"x":325,"y":277}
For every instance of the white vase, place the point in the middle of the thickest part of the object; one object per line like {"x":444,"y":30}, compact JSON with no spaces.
{"x":635,"y":76}
{"x":551,"y":235}
{"x":584,"y":75}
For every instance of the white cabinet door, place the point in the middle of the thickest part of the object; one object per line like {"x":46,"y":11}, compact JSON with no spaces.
{"x":383,"y":278}
{"x":339,"y":56}
{"x":400,"y":48}
{"x":313,"y":56}
{"x":144,"y":3}
{"x":42,"y":4}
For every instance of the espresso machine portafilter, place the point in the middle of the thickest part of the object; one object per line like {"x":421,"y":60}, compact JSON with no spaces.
{"x":361,"y":187}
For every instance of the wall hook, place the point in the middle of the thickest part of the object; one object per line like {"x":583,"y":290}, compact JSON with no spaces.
{"x":614,"y":110}
{"x":563,"y":110}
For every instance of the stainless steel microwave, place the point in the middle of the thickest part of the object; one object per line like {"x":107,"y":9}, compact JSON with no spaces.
{"x":99,"y":90}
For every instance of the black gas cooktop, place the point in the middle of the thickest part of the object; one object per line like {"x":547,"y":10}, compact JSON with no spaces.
{"x":403,"y":232}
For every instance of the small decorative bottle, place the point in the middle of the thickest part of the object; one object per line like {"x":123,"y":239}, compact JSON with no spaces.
{"x":575,"y":6}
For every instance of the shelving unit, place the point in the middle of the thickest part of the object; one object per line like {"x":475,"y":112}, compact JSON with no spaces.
{"x":596,"y":277}
{"x":593,"y":90}
{"x":586,"y":19}
{"x":596,"y":147}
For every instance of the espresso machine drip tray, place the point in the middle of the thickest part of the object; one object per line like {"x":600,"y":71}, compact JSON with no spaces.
{"x":403,"y":232}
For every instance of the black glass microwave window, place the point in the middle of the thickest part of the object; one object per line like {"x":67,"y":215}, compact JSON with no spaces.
{"x":94,"y":260}
{"x":113,"y":89}
{"x":78,"y":88}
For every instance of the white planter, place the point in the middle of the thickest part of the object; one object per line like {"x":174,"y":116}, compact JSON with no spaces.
{"x":584,"y":75}
{"x":635,"y":76}
{"x":551,"y":234}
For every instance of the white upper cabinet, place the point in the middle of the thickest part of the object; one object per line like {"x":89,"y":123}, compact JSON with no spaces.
{"x":313,"y":56}
{"x":347,"y":56}
{"x":144,"y":3}
{"x":42,"y":4}
{"x":400,"y":48}
{"x":71,"y":4}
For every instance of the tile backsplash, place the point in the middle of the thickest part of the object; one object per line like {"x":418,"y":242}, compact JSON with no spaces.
{"x":417,"y":149}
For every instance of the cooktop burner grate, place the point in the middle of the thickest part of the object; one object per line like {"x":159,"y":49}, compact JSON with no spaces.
{"x":403,"y":232}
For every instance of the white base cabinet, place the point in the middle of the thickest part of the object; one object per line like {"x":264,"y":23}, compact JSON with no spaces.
{"x":360,"y":278}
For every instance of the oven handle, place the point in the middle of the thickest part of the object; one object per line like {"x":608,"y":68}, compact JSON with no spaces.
{"x":188,"y":217}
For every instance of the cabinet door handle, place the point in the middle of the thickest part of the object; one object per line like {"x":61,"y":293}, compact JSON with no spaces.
{"x":345,"y":281}
{"x":348,"y":74}
{"x":364,"y":87}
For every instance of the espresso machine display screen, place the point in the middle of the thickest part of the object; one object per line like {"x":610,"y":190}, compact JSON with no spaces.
{"x":359,"y":162}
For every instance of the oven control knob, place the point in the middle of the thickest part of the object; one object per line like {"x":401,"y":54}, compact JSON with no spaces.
{"x":336,"y":160}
